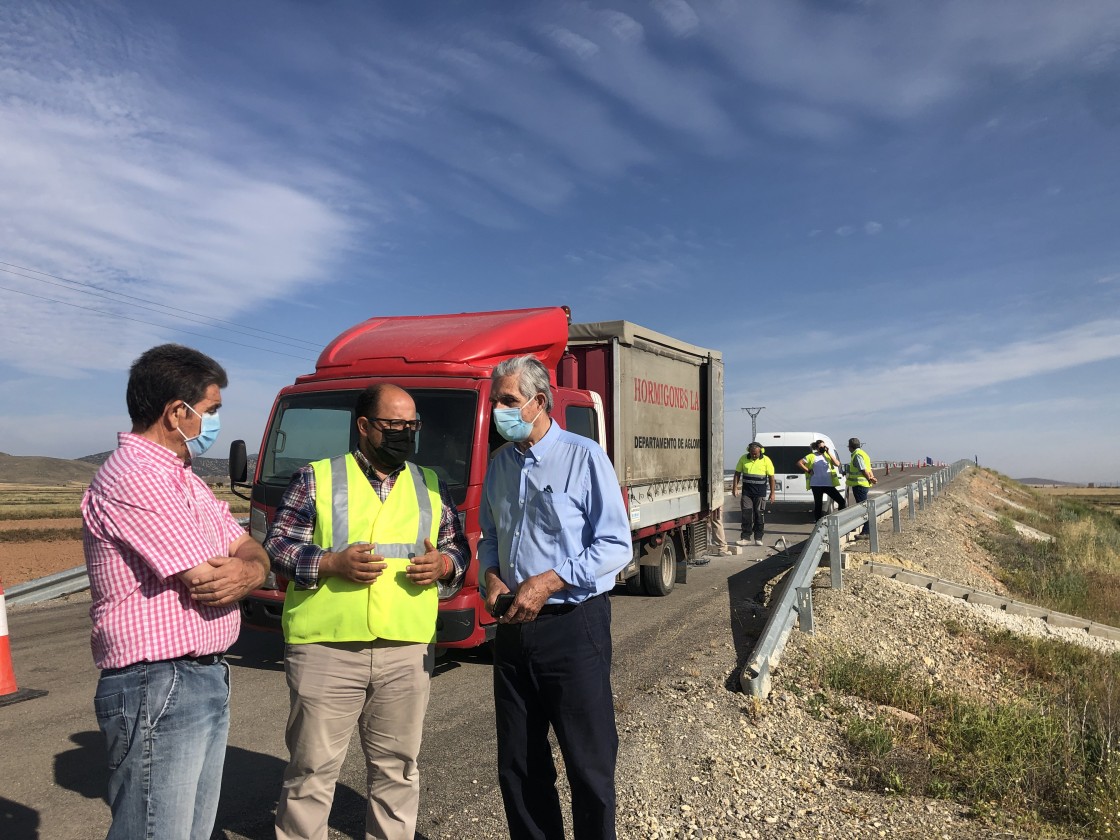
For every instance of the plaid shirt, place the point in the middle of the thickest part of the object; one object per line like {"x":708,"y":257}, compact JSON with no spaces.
{"x":295,"y":556}
{"x":146,"y":517}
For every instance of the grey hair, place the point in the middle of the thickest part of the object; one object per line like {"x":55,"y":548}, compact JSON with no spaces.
{"x":533,"y":378}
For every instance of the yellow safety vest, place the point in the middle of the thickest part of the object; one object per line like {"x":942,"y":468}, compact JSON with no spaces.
{"x":832,"y":472}
{"x":856,"y":478}
{"x":348,"y":510}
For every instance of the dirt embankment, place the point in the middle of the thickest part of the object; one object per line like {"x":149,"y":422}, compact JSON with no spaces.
{"x":26,"y":560}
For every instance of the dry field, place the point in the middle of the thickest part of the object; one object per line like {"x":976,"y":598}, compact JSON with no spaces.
{"x":40,"y":529}
{"x":1105,"y":498}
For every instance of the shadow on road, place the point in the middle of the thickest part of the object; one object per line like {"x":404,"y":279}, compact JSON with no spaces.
{"x":258,"y":649}
{"x":18,"y":822}
{"x":746,"y":591}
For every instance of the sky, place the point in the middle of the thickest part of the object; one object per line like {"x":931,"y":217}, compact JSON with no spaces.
{"x":896,"y":219}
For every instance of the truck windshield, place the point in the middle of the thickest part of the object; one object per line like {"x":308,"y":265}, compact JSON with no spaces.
{"x":308,"y":427}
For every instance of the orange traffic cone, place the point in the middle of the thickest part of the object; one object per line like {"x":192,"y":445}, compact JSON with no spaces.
{"x":9,"y":691}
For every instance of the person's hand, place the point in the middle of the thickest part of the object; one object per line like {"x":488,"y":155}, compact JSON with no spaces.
{"x":494,"y":588}
{"x":531,"y":596}
{"x":873,"y":480}
{"x":427,"y":568}
{"x":771,"y":498}
{"x":355,"y":563}
{"x":222,"y":580}
{"x":734,"y":491}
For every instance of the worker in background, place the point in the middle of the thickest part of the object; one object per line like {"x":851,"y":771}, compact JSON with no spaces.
{"x":822,"y":474}
{"x":860,"y":475}
{"x":757,"y":473}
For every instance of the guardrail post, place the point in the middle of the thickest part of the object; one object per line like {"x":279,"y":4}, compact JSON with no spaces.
{"x":896,"y":516}
{"x":911,"y":513}
{"x":805,"y":609}
{"x":929,"y":493}
{"x":834,"y":559}
{"x":872,"y":527}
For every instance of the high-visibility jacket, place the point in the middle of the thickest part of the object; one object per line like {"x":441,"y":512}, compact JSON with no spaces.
{"x":832,"y":472}
{"x":856,"y":478}
{"x":755,"y":472}
{"x":348,"y":510}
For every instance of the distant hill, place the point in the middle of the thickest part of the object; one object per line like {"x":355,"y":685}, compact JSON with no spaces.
{"x":37,"y":469}
{"x":1047,"y":482}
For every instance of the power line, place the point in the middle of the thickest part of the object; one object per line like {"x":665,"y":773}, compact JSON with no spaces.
{"x":149,"y":323}
{"x":175,"y":309}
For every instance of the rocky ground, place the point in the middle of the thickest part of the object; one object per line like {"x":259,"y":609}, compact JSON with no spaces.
{"x":698,"y":760}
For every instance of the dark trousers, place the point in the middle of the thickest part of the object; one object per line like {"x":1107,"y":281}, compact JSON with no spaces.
{"x":753,"y":510}
{"x":859,"y":492}
{"x":556,"y":671}
{"x":818,"y":499}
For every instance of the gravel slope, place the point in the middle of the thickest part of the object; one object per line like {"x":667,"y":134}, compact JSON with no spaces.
{"x":697,"y":760}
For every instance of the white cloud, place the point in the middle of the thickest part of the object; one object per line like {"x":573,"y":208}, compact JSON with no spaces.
{"x":845,"y":230}
{"x":895,"y":387}
{"x":680,"y":17}
{"x":872,"y":228}
{"x":897,"y":60}
{"x":579,"y":46}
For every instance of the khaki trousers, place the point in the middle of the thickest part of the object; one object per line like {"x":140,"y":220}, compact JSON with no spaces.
{"x":719,"y":536}
{"x":380,"y":686}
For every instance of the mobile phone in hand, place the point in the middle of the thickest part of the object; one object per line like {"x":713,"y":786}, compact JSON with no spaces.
{"x":504,"y":602}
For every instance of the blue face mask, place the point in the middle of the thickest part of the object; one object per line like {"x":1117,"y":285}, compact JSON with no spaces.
{"x":206,"y":436}
{"x":511,"y":425}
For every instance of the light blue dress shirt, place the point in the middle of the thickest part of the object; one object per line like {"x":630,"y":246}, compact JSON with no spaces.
{"x":555,"y":506}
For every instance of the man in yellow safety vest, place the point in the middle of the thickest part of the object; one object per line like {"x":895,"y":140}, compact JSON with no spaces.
{"x":370,"y":542}
{"x":860,"y":475}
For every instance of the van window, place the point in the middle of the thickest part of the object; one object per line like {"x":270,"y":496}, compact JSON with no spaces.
{"x":309,"y":427}
{"x":785,"y":458}
{"x":581,"y":420}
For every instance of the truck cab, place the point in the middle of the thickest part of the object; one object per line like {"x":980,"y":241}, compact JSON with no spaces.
{"x":444,"y":362}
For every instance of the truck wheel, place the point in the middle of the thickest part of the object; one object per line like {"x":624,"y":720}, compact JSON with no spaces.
{"x":634,"y":584}
{"x":658,"y":580}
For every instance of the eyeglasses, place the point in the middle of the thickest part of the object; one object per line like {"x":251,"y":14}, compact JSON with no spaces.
{"x":396,"y":425}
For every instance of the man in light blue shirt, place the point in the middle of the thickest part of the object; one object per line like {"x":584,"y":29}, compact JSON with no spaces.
{"x":554,"y":535}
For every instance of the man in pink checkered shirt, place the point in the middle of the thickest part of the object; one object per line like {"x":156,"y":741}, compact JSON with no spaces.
{"x":167,"y":565}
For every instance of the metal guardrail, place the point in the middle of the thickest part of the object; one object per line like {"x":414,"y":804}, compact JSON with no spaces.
{"x":51,"y":586}
{"x":62,"y":583}
{"x":796,"y":600}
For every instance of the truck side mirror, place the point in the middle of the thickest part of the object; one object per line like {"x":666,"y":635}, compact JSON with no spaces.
{"x":238,"y":467}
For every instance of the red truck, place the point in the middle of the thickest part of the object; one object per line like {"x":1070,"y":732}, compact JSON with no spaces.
{"x":653,"y":402}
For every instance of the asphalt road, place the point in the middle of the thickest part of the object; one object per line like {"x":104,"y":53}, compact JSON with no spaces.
{"x":52,"y":763}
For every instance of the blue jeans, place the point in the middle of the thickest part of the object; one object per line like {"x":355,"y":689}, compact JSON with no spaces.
{"x":165,"y":727}
{"x":860,"y":492}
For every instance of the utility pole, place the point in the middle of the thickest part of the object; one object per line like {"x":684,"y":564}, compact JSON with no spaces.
{"x":754,"y":412}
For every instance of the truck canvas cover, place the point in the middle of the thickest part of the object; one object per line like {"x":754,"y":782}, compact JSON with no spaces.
{"x":667,"y":414}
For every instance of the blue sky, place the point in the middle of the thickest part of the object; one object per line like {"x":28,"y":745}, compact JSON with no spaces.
{"x":896,"y":219}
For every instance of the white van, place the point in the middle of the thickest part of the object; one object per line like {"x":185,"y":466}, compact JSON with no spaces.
{"x":785,"y":449}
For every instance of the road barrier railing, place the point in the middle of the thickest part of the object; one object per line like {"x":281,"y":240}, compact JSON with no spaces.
{"x":794,"y":602}
{"x":51,"y":586}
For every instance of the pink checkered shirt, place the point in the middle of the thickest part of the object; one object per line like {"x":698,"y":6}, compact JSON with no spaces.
{"x":146,"y":517}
